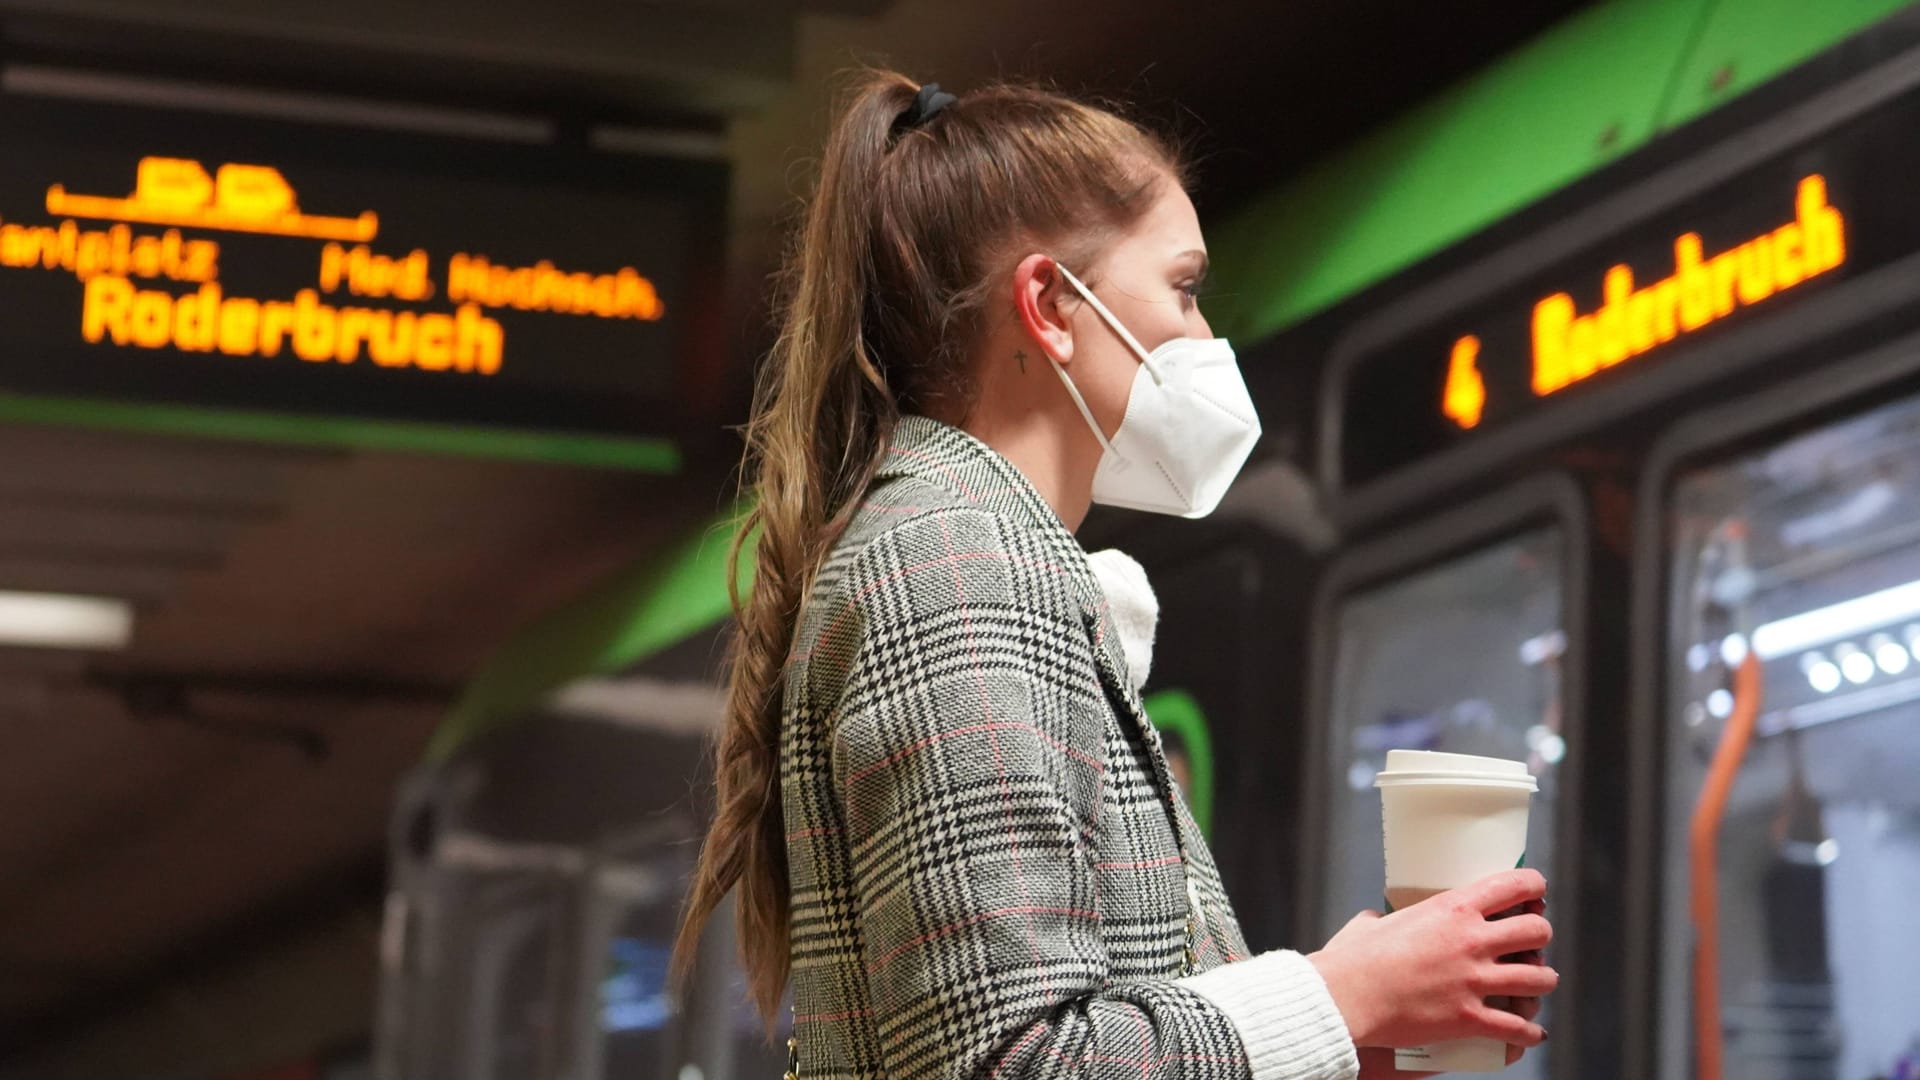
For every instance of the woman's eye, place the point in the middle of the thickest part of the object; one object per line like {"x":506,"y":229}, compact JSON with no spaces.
{"x":1192,"y":291}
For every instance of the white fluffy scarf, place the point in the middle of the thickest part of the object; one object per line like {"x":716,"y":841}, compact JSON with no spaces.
{"x":1135,"y":610}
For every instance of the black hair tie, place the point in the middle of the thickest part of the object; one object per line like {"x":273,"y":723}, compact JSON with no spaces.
{"x":926,"y":105}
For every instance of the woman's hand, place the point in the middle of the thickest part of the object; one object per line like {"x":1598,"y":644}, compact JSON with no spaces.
{"x":1424,"y":974}
{"x":1376,"y":1062}
{"x":1525,"y":1008}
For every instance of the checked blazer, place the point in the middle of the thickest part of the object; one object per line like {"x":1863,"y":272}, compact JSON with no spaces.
{"x":991,"y":872}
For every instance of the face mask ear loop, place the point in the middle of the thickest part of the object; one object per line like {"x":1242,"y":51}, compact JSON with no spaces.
{"x":1146,"y":358}
{"x":1074,"y":392}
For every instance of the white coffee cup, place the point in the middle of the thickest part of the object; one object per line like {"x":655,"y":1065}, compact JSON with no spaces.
{"x":1448,"y":821}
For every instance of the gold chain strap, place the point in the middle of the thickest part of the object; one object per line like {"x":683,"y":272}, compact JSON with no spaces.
{"x":1196,"y":921}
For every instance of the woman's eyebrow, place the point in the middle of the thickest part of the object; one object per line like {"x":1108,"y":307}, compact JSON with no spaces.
{"x":1198,"y":255}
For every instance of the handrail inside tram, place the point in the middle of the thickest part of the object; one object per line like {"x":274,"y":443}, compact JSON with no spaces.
{"x":1709,"y":812}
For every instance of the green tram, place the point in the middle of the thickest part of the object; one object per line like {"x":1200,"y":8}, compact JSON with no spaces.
{"x":1617,"y":439}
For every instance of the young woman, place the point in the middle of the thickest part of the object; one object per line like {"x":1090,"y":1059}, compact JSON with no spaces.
{"x":946,"y":815}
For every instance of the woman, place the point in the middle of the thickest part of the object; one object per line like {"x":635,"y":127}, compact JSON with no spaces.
{"x":947,"y":817}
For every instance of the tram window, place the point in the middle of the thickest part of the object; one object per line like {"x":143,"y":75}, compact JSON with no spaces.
{"x":1463,"y":657}
{"x":1793,"y":722}
{"x":637,"y":904}
{"x":517,"y":1025}
{"x":633,"y":995}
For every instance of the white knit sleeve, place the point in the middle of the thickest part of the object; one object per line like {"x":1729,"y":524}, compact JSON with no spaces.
{"x":1287,"y":1020}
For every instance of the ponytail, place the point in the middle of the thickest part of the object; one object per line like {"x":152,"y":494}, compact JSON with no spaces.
{"x":821,"y":413}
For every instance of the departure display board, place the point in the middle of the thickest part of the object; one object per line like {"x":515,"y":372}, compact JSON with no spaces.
{"x":294,"y":267}
{"x":1782,"y":231}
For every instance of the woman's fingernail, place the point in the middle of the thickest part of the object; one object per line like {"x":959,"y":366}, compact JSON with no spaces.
{"x":1544,"y":1034}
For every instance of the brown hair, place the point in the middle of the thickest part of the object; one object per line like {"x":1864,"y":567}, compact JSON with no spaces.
{"x":882,"y":298}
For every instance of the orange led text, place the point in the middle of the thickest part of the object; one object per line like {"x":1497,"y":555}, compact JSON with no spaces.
{"x":1633,"y":320}
{"x":1466,"y":392}
{"x":115,"y":311}
{"x":237,"y":198}
{"x":150,"y":287}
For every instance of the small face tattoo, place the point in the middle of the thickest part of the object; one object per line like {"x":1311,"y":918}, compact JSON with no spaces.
{"x":1021,"y":355}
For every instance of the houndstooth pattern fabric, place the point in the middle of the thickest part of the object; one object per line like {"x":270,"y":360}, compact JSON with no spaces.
{"x":985,"y":847}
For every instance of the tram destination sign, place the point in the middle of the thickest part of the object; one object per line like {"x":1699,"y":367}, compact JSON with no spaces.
{"x":1752,"y":246}
{"x":294,"y":268}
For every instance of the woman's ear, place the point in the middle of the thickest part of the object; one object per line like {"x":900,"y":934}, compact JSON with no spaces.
{"x":1041,"y":295}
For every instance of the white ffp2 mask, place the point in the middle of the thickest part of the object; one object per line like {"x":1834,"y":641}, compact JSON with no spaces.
{"x":1189,"y":426}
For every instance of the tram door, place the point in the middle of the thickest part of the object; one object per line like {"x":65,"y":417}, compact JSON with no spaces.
{"x":538,"y":876}
{"x":1462,"y":651}
{"x":1792,"y":759}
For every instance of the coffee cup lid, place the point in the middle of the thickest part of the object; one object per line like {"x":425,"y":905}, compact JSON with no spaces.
{"x":1432,"y":766}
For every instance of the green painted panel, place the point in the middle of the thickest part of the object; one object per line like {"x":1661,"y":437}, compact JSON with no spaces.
{"x":1575,"y":98}
{"x":1176,"y":712}
{"x":613,"y":626}
{"x":1746,"y":42}
{"x":1586,"y":92}
{"x":640,"y":455}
